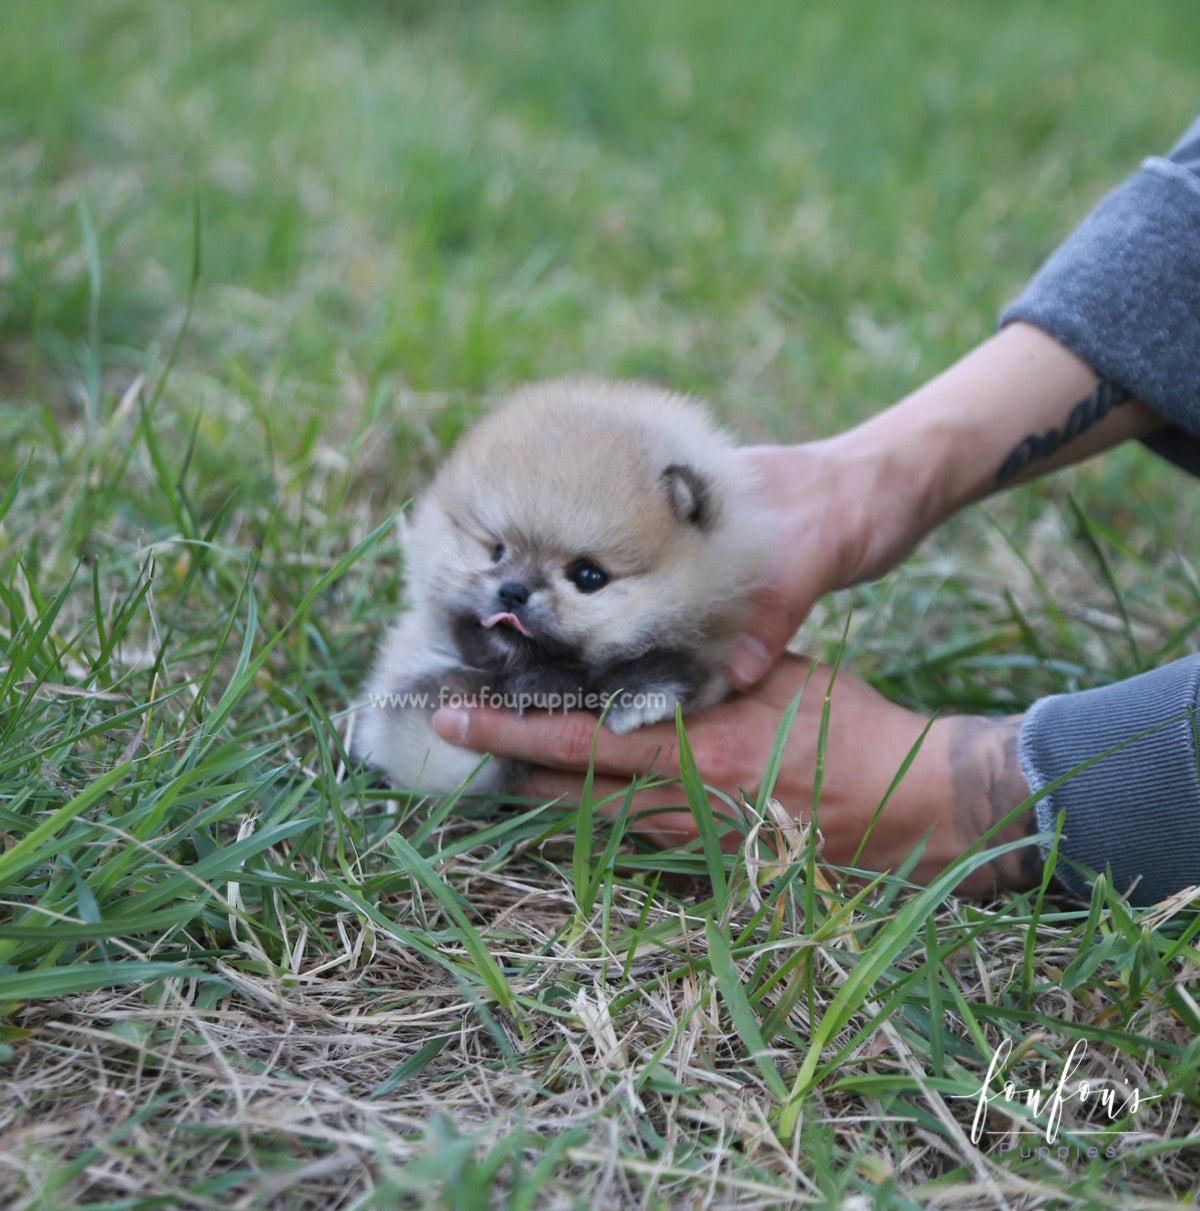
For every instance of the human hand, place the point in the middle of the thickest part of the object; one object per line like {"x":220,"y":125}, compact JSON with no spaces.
{"x":851,"y":507}
{"x":963,"y":780}
{"x":839,"y":514}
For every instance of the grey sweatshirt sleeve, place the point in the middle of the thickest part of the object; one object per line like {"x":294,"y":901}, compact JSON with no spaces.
{"x":1130,"y":795}
{"x":1124,"y":293}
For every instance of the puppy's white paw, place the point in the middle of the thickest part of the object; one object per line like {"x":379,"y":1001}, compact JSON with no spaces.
{"x":646,"y":707}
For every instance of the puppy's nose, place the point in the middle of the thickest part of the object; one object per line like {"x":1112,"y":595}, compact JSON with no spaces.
{"x":512,"y":594}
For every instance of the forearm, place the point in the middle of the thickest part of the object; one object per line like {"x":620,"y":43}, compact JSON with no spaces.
{"x":1118,"y":303}
{"x":1016,"y":406}
{"x":851,"y":507}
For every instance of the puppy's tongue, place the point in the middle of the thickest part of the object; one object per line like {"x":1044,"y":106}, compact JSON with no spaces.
{"x":507,"y":620}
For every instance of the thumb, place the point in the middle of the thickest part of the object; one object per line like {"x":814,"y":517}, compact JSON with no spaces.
{"x":774,"y":618}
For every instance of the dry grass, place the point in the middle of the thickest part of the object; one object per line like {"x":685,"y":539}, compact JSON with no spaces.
{"x":359,"y":1074}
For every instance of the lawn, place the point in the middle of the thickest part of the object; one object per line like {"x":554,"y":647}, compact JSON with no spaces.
{"x":259,"y":266}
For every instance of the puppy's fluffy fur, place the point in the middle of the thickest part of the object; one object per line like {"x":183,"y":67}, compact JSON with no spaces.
{"x":586,"y":541}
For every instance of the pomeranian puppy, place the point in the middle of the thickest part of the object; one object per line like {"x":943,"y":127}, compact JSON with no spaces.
{"x":587,"y":545}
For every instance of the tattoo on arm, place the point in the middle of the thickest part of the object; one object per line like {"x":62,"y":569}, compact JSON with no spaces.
{"x":988,"y":785}
{"x":1087,"y":412}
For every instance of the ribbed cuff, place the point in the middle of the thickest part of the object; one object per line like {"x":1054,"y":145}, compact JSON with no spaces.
{"x":1130,"y":795}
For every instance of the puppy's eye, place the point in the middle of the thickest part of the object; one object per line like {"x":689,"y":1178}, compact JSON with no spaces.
{"x":586,"y":576}
{"x":498,"y":552}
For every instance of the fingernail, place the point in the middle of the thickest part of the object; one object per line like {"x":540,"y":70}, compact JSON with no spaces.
{"x":451,"y":725}
{"x":750,"y":660}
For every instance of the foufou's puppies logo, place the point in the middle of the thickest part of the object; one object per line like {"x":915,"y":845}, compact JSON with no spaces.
{"x":1095,"y":1105}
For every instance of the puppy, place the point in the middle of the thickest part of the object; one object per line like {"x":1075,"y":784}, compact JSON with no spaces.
{"x":587,"y":545}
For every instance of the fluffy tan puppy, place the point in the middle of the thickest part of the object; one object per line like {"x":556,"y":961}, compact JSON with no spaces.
{"x":588,"y":545}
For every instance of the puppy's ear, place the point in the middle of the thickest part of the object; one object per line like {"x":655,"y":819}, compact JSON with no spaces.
{"x":688,"y":494}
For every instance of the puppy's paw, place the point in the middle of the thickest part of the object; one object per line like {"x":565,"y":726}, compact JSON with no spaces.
{"x":649,"y":705}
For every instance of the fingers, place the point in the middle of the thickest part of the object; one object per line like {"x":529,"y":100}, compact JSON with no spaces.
{"x":562,"y":742}
{"x":774,"y":618}
{"x":657,"y":814}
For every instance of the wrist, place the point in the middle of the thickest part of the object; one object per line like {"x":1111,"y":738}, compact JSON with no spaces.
{"x":939,"y":448}
{"x":827,"y":500}
{"x":888,"y":494}
{"x":963,"y":784}
{"x":977,"y":785}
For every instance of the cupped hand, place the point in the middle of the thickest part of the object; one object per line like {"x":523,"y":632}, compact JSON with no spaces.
{"x":839,"y":514}
{"x":963,"y":779}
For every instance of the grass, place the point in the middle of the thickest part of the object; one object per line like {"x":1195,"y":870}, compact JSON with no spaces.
{"x":259,"y":266}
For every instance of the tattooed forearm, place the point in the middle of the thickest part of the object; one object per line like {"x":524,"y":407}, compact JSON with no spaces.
{"x":1035,"y":447}
{"x":988,"y":785}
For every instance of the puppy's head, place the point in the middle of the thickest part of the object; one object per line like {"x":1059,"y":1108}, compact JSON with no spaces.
{"x":584,"y":522}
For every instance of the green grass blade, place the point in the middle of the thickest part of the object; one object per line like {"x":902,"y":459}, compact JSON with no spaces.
{"x":744,"y":1020}
{"x":486,"y":968}
{"x":702,"y":813}
{"x":42,"y":840}
{"x":876,"y":958}
{"x":25,"y":986}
